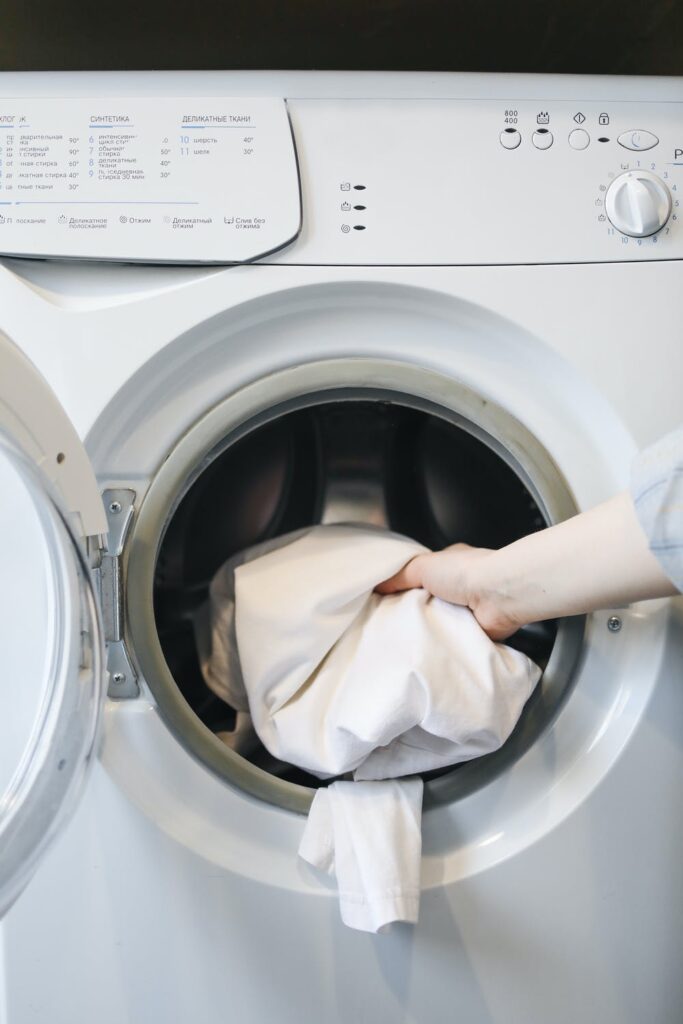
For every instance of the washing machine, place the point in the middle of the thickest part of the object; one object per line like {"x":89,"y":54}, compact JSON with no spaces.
{"x":236,"y":304}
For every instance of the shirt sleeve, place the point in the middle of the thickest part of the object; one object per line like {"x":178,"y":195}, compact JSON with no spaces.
{"x":657,"y":491}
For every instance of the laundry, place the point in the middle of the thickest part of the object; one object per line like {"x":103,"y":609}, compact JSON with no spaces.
{"x":339,"y":679}
{"x":369,"y":835}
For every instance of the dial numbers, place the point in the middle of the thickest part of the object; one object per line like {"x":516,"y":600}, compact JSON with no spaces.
{"x":638,"y":203}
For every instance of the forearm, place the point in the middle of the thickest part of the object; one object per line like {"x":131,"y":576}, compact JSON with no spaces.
{"x":598,"y":559}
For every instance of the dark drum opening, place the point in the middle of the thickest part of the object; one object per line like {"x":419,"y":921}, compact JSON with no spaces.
{"x":374,"y":461}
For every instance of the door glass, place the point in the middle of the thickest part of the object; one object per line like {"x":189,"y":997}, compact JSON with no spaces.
{"x":51,"y":681}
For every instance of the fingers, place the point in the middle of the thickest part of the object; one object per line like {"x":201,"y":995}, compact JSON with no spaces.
{"x":408,"y":578}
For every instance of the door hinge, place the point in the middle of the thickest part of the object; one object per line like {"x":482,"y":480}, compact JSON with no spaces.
{"x":119,"y":504}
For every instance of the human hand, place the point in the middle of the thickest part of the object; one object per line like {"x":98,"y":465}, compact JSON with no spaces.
{"x":597,"y":559}
{"x":457,"y":574}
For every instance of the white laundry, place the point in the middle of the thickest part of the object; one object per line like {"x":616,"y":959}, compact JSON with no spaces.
{"x":339,"y":679}
{"x":369,"y":835}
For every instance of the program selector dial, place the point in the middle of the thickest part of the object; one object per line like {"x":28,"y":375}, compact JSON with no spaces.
{"x":638,"y":203}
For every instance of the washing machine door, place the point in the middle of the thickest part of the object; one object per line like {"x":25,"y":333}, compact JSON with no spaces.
{"x":51,"y":639}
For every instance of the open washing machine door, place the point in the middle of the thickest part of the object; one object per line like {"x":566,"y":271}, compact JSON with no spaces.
{"x":50,"y":627}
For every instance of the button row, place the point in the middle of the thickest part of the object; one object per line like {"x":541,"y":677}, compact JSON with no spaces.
{"x":510,"y":138}
{"x":579,"y":138}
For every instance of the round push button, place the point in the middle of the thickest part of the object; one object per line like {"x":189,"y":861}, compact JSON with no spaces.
{"x":542,"y":138}
{"x":510,"y":138}
{"x":579,"y":138}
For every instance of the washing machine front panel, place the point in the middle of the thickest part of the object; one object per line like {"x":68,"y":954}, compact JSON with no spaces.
{"x":52,"y":640}
{"x":551,"y":862}
{"x":466,"y":170}
{"x":387,"y":338}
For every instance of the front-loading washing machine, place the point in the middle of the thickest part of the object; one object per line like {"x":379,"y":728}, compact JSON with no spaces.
{"x":235,"y":304}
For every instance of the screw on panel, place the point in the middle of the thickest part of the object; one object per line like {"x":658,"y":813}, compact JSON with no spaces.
{"x":118,"y":678}
{"x":115,"y":507}
{"x":614,"y":623}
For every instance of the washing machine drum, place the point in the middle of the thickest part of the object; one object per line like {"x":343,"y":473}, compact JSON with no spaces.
{"x":371,"y":462}
{"x":378,"y":462}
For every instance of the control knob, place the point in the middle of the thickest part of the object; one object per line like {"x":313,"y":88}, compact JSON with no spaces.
{"x":638,"y":203}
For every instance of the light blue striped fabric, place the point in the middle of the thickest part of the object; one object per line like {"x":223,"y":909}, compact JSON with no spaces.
{"x":657,"y":490}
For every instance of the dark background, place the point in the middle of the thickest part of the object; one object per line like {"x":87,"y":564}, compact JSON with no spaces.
{"x":585,"y":36}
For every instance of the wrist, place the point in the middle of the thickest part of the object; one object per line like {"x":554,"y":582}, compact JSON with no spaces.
{"x":492,"y":598}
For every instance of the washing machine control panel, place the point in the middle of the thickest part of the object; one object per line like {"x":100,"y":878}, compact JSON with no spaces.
{"x":475,"y":181}
{"x":154,"y":179}
{"x":351,"y":180}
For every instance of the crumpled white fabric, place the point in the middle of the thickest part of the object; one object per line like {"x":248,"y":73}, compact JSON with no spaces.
{"x":339,"y":679}
{"x":369,"y":834}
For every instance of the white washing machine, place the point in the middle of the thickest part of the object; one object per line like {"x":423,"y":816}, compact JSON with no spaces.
{"x":448,"y":304}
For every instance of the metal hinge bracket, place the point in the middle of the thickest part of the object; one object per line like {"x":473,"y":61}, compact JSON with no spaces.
{"x":119,"y":504}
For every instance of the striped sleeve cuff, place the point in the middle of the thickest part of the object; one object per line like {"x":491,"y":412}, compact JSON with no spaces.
{"x":657,"y":491}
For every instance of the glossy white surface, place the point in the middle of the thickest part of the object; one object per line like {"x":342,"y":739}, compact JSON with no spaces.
{"x":541,"y":386}
{"x":500,"y":822}
{"x":27,"y":653}
{"x":549,"y":935}
{"x":33,"y":419}
{"x":554,"y":894}
{"x":52,"y":693}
